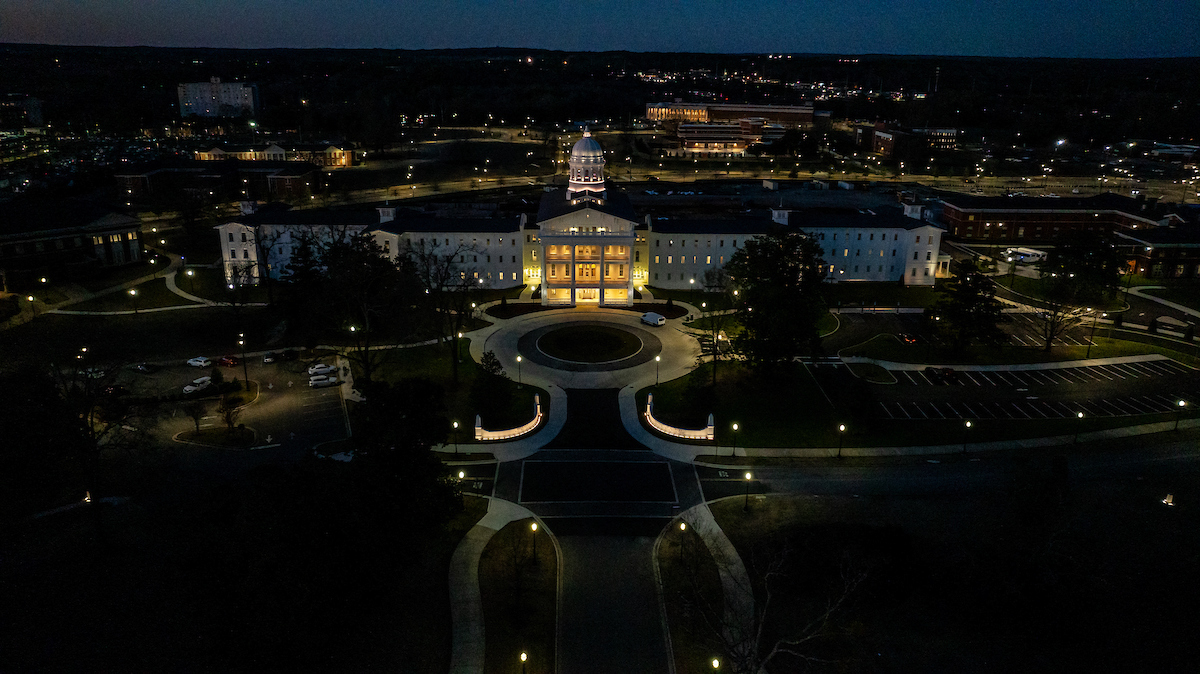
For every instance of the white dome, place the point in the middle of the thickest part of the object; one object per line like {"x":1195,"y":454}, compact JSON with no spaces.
{"x":587,"y":149}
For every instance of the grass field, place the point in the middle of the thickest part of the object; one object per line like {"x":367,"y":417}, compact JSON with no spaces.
{"x":1187,"y":295}
{"x":519,"y":592}
{"x":150,"y":295}
{"x":513,"y":406}
{"x":1037,"y":575}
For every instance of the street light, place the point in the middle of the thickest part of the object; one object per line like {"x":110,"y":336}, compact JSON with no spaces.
{"x":1179,"y":412}
{"x":191,"y":286}
{"x":716,"y":664}
{"x":657,"y":360}
{"x":132,"y":293}
{"x":966,"y":429}
{"x":523,"y":658}
{"x":746,"y":504}
{"x":733,"y":450}
{"x":1078,"y":415}
{"x":245,"y":366}
{"x":841,"y":437}
{"x":533,"y":528}
{"x":455,"y":433}
{"x":519,"y":372}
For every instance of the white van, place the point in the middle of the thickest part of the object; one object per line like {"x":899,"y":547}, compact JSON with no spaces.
{"x":651,"y":318}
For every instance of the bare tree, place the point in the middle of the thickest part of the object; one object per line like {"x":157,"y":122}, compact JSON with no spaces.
{"x":195,"y":410}
{"x":449,"y":278}
{"x":757,"y":619}
{"x":716,"y":315}
{"x":230,"y":411}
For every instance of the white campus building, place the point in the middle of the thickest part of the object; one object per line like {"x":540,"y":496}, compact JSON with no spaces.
{"x":586,"y":244}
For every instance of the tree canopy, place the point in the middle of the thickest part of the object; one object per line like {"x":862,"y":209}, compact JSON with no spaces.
{"x":776,"y":280}
{"x":968,"y":308}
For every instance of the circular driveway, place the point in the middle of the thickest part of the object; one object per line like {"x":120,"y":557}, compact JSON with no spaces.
{"x":527,"y":346}
{"x":518,"y":336}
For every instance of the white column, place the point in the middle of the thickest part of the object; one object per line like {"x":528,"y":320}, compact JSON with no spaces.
{"x":571,"y":273}
{"x":602,"y":284}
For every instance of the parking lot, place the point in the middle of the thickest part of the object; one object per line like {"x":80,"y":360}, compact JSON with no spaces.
{"x":1035,"y":408}
{"x":1092,"y":374}
{"x":1119,"y":389}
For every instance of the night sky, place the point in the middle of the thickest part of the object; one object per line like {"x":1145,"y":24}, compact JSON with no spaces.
{"x":1054,"y":28}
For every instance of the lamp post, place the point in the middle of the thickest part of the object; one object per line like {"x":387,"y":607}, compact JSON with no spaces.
{"x":533,"y":528}
{"x":524,"y":657}
{"x":245,"y":366}
{"x":519,"y":372}
{"x":1078,"y":415}
{"x":191,"y":285}
{"x":966,"y":430}
{"x":1179,"y":412}
{"x":716,"y":664}
{"x":746,"y":503}
{"x":455,"y":434}
{"x":657,"y":361}
{"x":682,"y":535}
{"x":132,"y":293}
{"x":841,"y":438}
{"x":733,"y":450}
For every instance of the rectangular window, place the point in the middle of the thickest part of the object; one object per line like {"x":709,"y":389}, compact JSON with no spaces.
{"x":707,"y":259}
{"x":918,"y":239}
{"x":655,"y":259}
{"x":914,"y":271}
{"x":114,"y":238}
{"x":231,"y":237}
{"x":930,"y":242}
{"x":514,"y":259}
{"x":669,"y":258}
{"x":927,"y":255}
{"x":927,"y":271}
{"x":893,"y":252}
{"x":621,"y":271}
{"x":721,"y":244}
{"x":245,"y":253}
{"x":859,"y":236}
{"x":668,"y":277}
{"x":915,"y":254}
{"x":655,"y":276}
{"x":895,"y":237}
{"x":657,"y":243}
{"x":489,"y":258}
{"x":857,"y":252}
{"x":243,"y":237}
{"x":855,"y":269}
{"x":637,"y":256}
{"x":232,"y":254}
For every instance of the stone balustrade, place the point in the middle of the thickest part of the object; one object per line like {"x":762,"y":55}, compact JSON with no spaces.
{"x":482,"y":434}
{"x":707,"y":433}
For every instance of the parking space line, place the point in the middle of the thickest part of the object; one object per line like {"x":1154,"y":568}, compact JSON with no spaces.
{"x":973,"y":380}
{"x":1140,"y":406}
{"x":1033,"y":407}
{"x":1175,"y":368}
{"x":1111,"y":375}
{"x":1121,"y":405}
{"x":917,"y":406}
{"x":900,"y":406}
{"x":1089,"y":374}
{"x":1077,"y":374}
{"x":886,"y":411}
{"x":1017,"y":407}
{"x":934,"y":407}
{"x":1126,"y":371}
{"x":909,"y":377}
{"x":986,"y":376}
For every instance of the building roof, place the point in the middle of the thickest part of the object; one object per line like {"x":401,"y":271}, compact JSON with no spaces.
{"x":744,"y":225}
{"x":424,"y":223}
{"x":1100,"y":202}
{"x":888,"y":217}
{"x":1182,"y":236}
{"x":614,"y":202}
{"x":317,"y":217}
{"x":22,"y":217}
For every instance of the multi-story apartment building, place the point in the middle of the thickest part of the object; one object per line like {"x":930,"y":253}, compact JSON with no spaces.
{"x":215,"y":98}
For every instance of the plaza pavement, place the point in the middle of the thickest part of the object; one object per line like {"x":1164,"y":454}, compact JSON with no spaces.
{"x":679,"y":357}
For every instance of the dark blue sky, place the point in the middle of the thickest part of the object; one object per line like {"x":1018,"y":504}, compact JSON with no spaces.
{"x":1062,"y":28}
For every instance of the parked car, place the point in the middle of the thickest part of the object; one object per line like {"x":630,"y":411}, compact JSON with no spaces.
{"x":200,"y":361}
{"x":321,"y":381}
{"x":145,"y":368}
{"x":228,"y":361}
{"x":935,"y":375}
{"x":651,"y":318}
{"x":321,"y":368}
{"x":290,"y":354}
{"x":907,"y":338}
{"x":270,"y":357}
{"x":198,"y":385}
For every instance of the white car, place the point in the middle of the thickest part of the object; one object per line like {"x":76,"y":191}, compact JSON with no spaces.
{"x":651,"y":318}
{"x":321,"y":368}
{"x":198,"y":385}
{"x":321,"y":381}
{"x":200,"y":361}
